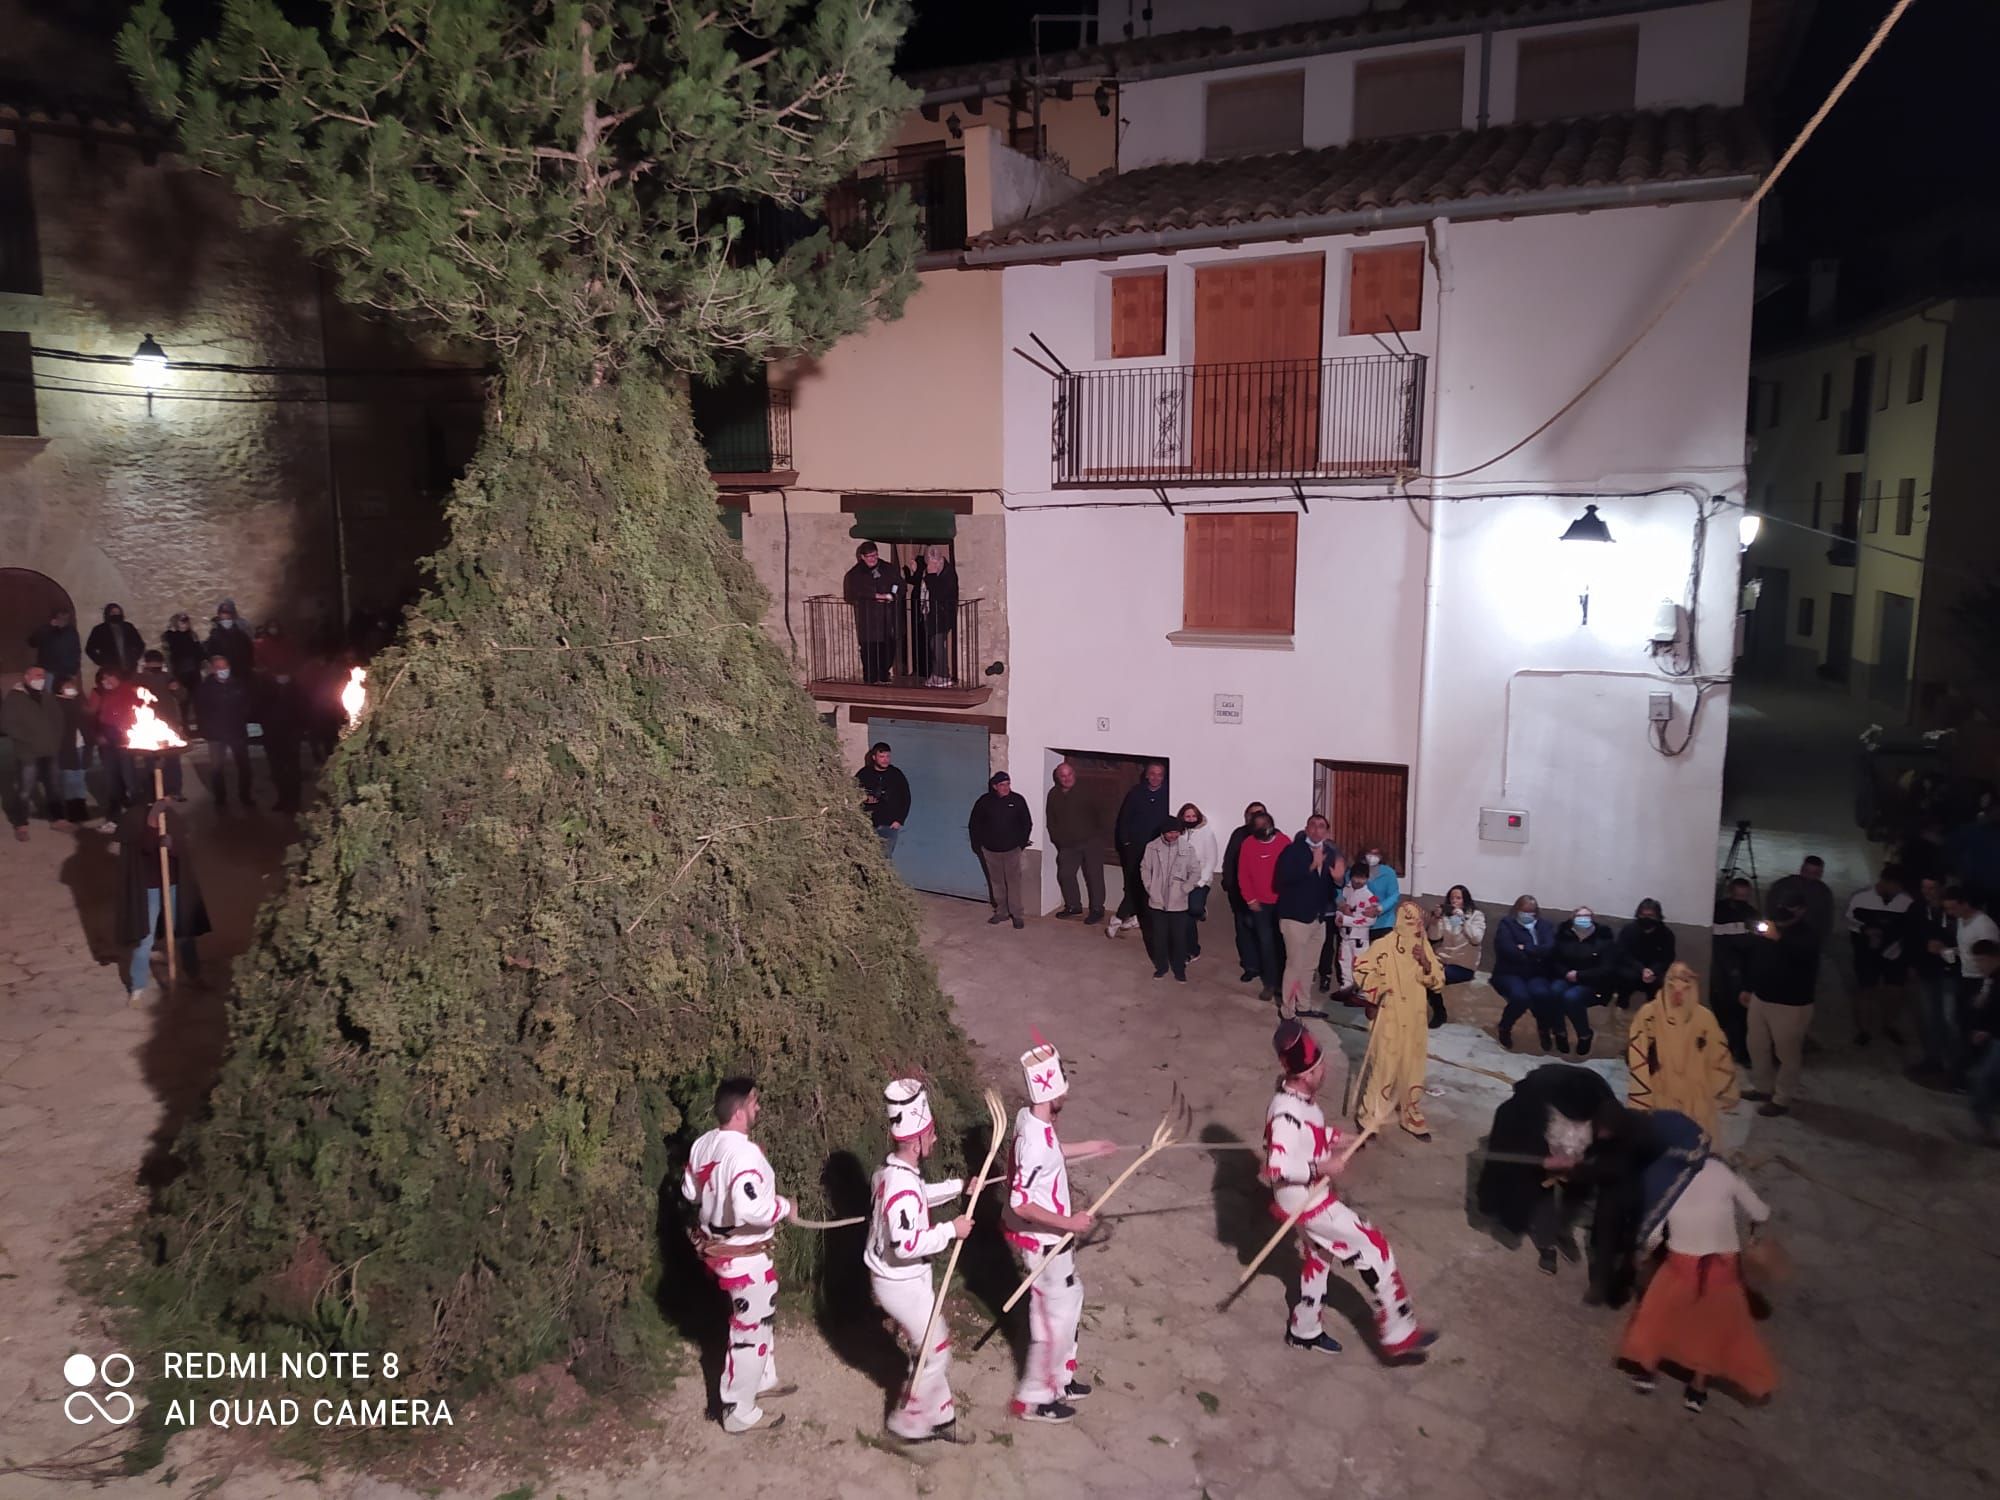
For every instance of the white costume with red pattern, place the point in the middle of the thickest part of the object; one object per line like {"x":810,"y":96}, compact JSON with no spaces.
{"x":729,"y":1180}
{"x":1055,"y":1301}
{"x":901,"y":1239}
{"x":1296,"y":1138}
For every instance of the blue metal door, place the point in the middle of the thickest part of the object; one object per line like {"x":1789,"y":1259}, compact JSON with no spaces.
{"x":946,"y":767}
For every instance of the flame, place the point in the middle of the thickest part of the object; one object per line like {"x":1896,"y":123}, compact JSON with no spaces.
{"x":354,"y":697}
{"x":149,"y":731}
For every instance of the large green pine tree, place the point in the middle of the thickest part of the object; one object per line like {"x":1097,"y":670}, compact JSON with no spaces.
{"x":590,"y":848}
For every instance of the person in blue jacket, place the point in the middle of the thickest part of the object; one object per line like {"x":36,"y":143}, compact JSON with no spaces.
{"x":1387,"y":888}
{"x":1523,"y":950}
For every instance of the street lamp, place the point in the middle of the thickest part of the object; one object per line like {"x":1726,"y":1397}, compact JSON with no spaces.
{"x":1747,"y":529}
{"x":1588,"y":527}
{"x":149,"y":363}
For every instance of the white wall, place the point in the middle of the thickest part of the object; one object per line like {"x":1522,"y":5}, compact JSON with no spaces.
{"x":1687,"y":55}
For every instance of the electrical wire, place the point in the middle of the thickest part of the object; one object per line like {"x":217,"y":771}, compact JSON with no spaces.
{"x":1743,"y":214}
{"x":223,"y":367}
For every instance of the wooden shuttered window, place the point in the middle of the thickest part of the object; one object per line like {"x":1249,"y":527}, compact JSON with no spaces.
{"x":1139,"y":315}
{"x":1421,"y":93}
{"x":1385,"y":289}
{"x":1241,"y":573}
{"x":1583,"y":73}
{"x":1255,"y":116}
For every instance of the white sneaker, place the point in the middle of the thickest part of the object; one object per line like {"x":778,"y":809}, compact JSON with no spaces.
{"x":107,"y":826}
{"x":1111,"y":927}
{"x":737,"y":1426}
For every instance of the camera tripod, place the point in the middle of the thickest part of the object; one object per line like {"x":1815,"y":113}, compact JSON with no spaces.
{"x":1734,"y":866}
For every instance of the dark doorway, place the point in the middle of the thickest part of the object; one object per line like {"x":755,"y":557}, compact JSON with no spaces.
{"x":27,"y":599}
{"x":1839,"y":637}
{"x":1364,"y":804}
{"x":1889,"y":681}
{"x":1764,"y":643}
{"x":1105,"y":779}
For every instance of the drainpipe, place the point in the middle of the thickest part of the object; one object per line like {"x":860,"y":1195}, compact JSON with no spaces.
{"x":1485,"y":72}
{"x":1438,"y":237}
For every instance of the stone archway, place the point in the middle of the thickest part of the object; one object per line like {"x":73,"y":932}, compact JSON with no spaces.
{"x":27,"y":599}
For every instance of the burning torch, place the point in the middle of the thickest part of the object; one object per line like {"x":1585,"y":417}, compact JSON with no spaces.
{"x":354,"y":697}
{"x":152,"y":735}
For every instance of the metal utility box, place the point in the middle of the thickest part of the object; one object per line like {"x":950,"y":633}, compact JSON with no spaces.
{"x":1503,"y":825}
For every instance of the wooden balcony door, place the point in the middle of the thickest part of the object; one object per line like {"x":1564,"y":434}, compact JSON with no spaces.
{"x":1365,"y":805}
{"x":1257,"y":374}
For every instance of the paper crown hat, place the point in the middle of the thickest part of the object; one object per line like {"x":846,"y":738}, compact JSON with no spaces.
{"x":909,"y":1108}
{"x":1041,"y":1066}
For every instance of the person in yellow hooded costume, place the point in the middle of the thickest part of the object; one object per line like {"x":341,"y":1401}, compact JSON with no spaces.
{"x":1395,"y":977}
{"x":1678,"y":1056}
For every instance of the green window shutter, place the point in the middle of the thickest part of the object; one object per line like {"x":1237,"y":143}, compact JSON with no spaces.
{"x":732,"y":521}
{"x":905,"y":523}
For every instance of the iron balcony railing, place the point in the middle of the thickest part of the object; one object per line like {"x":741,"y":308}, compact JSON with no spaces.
{"x":745,"y":427}
{"x":935,"y":181}
{"x":891,"y":645}
{"x":1360,"y":415}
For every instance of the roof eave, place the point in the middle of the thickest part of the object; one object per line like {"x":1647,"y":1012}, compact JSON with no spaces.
{"x":1400,"y":216}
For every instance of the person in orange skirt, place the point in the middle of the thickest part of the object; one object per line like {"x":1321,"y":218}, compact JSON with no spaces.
{"x":1696,"y":1314}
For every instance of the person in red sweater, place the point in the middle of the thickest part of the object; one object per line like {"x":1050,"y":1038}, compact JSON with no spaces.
{"x":1257,"y":878}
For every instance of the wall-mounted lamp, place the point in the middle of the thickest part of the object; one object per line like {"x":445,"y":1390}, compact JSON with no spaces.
{"x":1747,"y":529}
{"x":1588,"y":527}
{"x":954,"y":126}
{"x":149,"y":363}
{"x":1101,"y":97}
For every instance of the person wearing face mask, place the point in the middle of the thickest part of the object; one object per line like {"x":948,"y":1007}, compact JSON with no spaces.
{"x":184,"y":654}
{"x":1353,"y":920}
{"x":73,"y":756}
{"x":1645,"y":953}
{"x":1257,"y":878}
{"x":1586,"y":974}
{"x":109,"y":711}
{"x":281,"y":717}
{"x":57,"y":650}
{"x":1232,"y":888}
{"x":231,"y":640}
{"x":1308,"y":879}
{"x":1171,"y":870}
{"x":116,"y":643}
{"x":222,"y":706}
{"x":1387,"y":888}
{"x":1523,"y":950}
{"x":1198,"y":836}
{"x":31,"y":719}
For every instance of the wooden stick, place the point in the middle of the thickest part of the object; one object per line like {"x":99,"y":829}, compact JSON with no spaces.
{"x":978,"y":1188}
{"x":1162,"y":1138}
{"x":997,"y":1113}
{"x":166,"y":877}
{"x":1313,"y":1201}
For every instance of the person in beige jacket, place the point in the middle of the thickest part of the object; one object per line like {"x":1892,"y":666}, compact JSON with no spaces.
{"x":1457,"y":931}
{"x":1171,"y":869}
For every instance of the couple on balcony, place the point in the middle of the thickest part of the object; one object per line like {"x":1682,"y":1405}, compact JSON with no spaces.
{"x":875,"y":590}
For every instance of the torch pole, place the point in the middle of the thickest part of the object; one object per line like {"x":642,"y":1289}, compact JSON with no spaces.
{"x":166,"y":873}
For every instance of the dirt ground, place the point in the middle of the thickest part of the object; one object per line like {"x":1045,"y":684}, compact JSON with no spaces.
{"x":1883,"y":1337}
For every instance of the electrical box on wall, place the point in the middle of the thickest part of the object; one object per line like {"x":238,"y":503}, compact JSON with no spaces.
{"x":1503,"y":825}
{"x":1659,"y":707}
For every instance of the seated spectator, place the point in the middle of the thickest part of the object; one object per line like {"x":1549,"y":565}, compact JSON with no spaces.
{"x":1645,"y":952}
{"x":1523,"y":952}
{"x":1586,"y":974}
{"x":1458,"y":935}
{"x":1877,"y":916}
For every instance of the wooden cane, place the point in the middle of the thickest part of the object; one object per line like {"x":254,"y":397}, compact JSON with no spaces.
{"x":166,"y":875}
{"x":996,"y":1112}
{"x":1163,"y":1137}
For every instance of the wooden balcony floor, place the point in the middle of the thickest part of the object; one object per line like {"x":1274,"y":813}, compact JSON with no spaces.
{"x":912,"y":693}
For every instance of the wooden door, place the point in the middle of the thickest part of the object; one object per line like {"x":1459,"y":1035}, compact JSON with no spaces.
{"x":1257,"y":373}
{"x":1365,"y":805}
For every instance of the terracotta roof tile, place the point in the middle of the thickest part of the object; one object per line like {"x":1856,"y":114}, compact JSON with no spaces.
{"x":1635,"y":150}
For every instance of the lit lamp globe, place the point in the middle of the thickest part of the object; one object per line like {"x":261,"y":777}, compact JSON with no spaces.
{"x":149,"y":363}
{"x":1747,"y":529}
{"x":1588,"y":527}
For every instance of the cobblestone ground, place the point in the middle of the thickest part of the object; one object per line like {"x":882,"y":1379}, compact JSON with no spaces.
{"x":1883,"y":1337}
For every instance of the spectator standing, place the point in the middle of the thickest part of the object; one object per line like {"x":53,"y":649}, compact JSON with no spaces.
{"x":1458,"y":935}
{"x":1808,"y":891}
{"x":934,"y":608}
{"x":280,"y":707}
{"x":1645,"y":953}
{"x":108,"y":712}
{"x":171,"y":710}
{"x":57,"y":647}
{"x":1139,"y":818}
{"x":230,"y":639}
{"x":1877,"y":917}
{"x":31,"y":718}
{"x":1196,"y":833}
{"x":1354,"y":918}
{"x":116,"y":643}
{"x":1308,"y":879}
{"x":1257,"y":877}
{"x":1171,"y":869}
{"x":1387,"y":888}
{"x":1733,"y":942}
{"x":1523,"y":952}
{"x":1974,"y":927}
{"x":885,"y":794}
{"x":184,"y":654}
{"x":1933,"y":947}
{"x":274,"y":651}
{"x":222,"y":708}
{"x":1783,"y":974}
{"x":1586,"y":970}
{"x":1001,"y":826}
{"x":1983,"y":1034}
{"x":1070,"y":818}
{"x":870,"y":587}
{"x":72,"y":756}
{"x":1232,"y":890}
{"x":142,"y":832}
